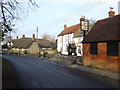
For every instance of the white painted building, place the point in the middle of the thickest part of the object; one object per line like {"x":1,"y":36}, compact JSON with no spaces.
{"x":70,"y":35}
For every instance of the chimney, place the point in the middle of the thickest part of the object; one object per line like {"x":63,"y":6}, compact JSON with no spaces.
{"x":65,"y":26}
{"x":16,"y":37}
{"x":23,"y":36}
{"x":111,"y":12}
{"x":33,"y":37}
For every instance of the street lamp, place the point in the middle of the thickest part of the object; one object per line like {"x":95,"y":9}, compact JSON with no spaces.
{"x":84,"y":25}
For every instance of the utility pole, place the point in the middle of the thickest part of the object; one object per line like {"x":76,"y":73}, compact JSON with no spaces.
{"x":37,"y":33}
{"x":37,"y":37}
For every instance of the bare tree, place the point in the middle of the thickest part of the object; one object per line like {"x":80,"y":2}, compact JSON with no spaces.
{"x":49,"y":37}
{"x":92,"y":23}
{"x":9,"y":11}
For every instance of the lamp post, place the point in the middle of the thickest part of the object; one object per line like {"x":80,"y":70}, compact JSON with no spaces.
{"x":84,"y":25}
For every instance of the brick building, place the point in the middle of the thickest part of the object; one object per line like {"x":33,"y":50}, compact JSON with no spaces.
{"x":101,"y":46}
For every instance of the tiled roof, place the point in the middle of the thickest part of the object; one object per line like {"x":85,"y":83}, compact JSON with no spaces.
{"x":104,"y":30}
{"x":72,"y":29}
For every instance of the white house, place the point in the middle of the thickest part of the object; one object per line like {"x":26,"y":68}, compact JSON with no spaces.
{"x":70,"y":35}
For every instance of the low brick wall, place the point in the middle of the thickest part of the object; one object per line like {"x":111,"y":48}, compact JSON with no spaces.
{"x":101,"y":61}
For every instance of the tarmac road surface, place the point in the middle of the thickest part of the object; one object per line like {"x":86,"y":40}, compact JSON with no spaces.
{"x":33,"y":72}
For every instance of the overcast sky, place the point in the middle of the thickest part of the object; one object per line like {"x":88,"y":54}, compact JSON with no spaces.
{"x":51,"y":15}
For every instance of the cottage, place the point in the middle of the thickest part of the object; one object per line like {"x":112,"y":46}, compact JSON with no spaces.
{"x":69,"y":40}
{"x":26,"y":45}
{"x":101,"y":46}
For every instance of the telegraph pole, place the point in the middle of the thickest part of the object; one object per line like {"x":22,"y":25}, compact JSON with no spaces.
{"x":37,"y":37}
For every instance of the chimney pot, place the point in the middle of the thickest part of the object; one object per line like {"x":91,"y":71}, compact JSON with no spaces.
{"x":16,"y":37}
{"x":23,"y":36}
{"x":65,"y":26}
{"x":111,"y":12}
{"x":33,"y":37}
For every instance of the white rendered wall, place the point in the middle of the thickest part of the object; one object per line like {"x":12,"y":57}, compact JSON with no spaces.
{"x":64,"y":40}
{"x":59,"y":43}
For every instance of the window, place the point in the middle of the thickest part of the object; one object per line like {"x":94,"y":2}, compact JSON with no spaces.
{"x":112,"y":48}
{"x":94,"y":48}
{"x":66,"y":38}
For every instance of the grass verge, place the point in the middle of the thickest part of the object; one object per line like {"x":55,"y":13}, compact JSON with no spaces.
{"x":8,"y":75}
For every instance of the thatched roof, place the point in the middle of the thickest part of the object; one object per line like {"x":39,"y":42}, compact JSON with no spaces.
{"x":22,"y":43}
{"x":44,"y":43}
{"x":72,"y":29}
{"x":104,"y":30}
{"x":26,"y":42}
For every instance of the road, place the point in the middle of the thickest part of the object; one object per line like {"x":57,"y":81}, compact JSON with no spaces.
{"x":33,"y":72}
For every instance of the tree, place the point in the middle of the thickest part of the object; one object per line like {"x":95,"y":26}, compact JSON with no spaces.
{"x":49,"y":37}
{"x":9,"y":11}
{"x":91,"y":23}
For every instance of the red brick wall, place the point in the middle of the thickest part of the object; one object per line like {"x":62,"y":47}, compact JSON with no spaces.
{"x":101,"y":61}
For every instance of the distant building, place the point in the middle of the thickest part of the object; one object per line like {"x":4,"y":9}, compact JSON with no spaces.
{"x":26,"y":45}
{"x":101,"y":46}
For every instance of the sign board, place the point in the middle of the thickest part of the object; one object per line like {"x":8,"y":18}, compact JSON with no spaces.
{"x":84,"y":25}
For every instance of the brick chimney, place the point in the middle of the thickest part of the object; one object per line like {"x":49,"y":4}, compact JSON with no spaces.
{"x":65,"y":26}
{"x":16,"y":37}
{"x":33,"y":37}
{"x":23,"y":36}
{"x":111,"y":12}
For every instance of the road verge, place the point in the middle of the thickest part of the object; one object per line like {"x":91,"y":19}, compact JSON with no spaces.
{"x":8,"y":75}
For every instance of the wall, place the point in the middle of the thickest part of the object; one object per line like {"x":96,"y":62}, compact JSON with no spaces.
{"x":59,"y":43}
{"x":14,"y":50}
{"x":79,"y":45}
{"x":101,"y":61}
{"x":68,"y":38}
{"x":63,"y":42}
{"x":33,"y":49}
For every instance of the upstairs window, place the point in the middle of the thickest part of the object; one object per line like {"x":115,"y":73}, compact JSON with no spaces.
{"x":94,"y":48}
{"x":112,"y":48}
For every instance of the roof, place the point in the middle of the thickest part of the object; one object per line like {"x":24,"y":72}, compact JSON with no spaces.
{"x":22,"y":43}
{"x":26,"y":42}
{"x":104,"y":30}
{"x":43,"y":43}
{"x":72,"y":29}
{"x":53,"y":45}
{"x":78,"y":34}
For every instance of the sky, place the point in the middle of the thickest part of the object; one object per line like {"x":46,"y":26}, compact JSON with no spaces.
{"x":51,"y":15}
